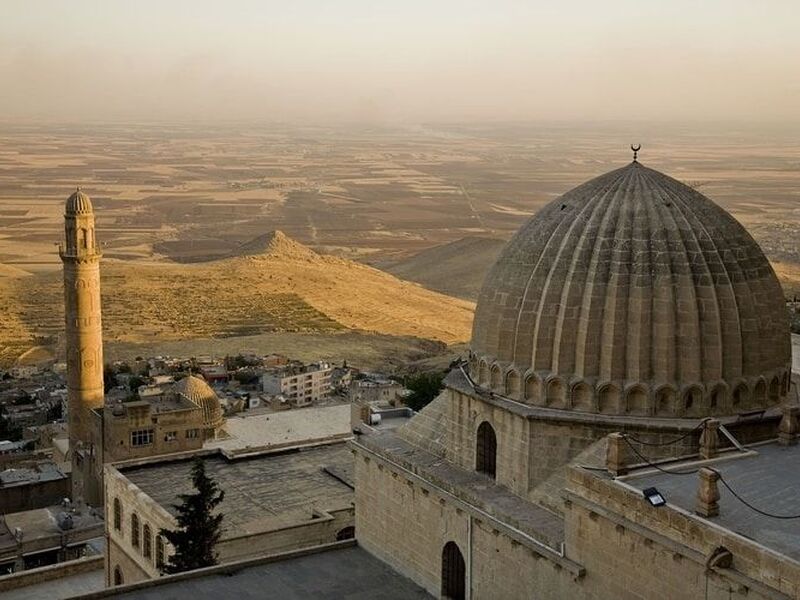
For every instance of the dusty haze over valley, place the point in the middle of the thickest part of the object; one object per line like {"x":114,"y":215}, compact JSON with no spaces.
{"x":411,"y":137}
{"x":181,"y":210}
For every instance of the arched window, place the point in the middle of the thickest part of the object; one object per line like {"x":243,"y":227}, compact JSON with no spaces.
{"x":760,"y":393}
{"x":486,"y":450}
{"x":740,"y":396}
{"x":147,"y":542}
{"x":665,"y":401}
{"x":117,"y":515}
{"x":135,"y":533}
{"x":346,"y":533}
{"x":118,"y":580}
{"x":454,"y":573}
{"x":775,"y":389}
{"x":692,"y":401}
{"x":161,"y":552}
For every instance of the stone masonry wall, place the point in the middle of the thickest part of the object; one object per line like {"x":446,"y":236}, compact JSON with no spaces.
{"x":407,"y":525}
{"x":661,"y":553}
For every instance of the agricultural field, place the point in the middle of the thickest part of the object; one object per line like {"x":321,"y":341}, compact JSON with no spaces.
{"x":177,"y":206}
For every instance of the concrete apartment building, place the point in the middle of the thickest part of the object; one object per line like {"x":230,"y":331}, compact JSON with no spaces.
{"x":300,"y":384}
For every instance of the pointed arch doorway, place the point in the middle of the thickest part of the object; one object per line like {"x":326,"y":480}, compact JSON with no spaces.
{"x":454,"y":573}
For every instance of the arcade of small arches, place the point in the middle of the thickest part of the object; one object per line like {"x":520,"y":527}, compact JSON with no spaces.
{"x":583,"y":395}
{"x":152,"y":548}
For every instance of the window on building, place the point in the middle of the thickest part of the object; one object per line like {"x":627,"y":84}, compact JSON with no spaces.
{"x":117,"y":515}
{"x":171,"y":436}
{"x":160,"y":552}
{"x":141,"y":437}
{"x":486,"y":450}
{"x":191,"y":434}
{"x":453,"y":573}
{"x":135,"y":532}
{"x":147,"y":542}
{"x":118,"y":576}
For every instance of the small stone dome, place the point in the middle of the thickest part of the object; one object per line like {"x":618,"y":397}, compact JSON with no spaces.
{"x":198,"y":392}
{"x":78,"y":203}
{"x":633,"y":294}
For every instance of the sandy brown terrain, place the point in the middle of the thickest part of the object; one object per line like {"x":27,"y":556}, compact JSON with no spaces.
{"x":455,"y":268}
{"x":269,"y":284}
{"x":170,"y":197}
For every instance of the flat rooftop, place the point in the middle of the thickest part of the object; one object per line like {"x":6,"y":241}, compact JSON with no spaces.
{"x":41,"y":473}
{"x":42,"y":523}
{"x":284,"y":428}
{"x":348,"y":572}
{"x":62,"y":587}
{"x":768,"y":478}
{"x":263,"y":491}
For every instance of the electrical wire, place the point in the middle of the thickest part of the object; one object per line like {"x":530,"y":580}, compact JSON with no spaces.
{"x":668,"y":442}
{"x":750,"y":506}
{"x":721,"y":478}
{"x":655,"y":466}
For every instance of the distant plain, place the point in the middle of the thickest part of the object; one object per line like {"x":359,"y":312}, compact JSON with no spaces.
{"x":170,"y":195}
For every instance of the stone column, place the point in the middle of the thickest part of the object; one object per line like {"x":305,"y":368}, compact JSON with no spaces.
{"x":707,"y":504}
{"x":788,"y":428}
{"x":616,"y":454}
{"x":709,"y":439}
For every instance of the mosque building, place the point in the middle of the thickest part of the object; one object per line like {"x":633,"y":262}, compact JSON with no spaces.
{"x":629,"y":372}
{"x":624,"y":426}
{"x":180,"y":420}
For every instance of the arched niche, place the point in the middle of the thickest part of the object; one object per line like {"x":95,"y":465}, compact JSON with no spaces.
{"x":582,"y":397}
{"x":636,"y":401}
{"x":532,"y":386}
{"x":555,"y":393}
{"x":608,"y":399}
{"x":665,"y":401}
{"x":512,"y":384}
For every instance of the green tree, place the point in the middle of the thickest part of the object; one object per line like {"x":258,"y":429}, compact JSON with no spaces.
{"x":424,"y":387}
{"x":199,"y":529}
{"x":134,"y":383}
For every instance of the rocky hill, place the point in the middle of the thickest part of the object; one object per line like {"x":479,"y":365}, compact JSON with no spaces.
{"x":271,"y":283}
{"x":456,"y":269}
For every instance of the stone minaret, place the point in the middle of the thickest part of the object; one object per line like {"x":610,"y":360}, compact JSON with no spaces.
{"x":84,"y":334}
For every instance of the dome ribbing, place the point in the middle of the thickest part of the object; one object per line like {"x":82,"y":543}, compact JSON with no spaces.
{"x":198,"y":392}
{"x":633,"y":294}
{"x":78,"y":203}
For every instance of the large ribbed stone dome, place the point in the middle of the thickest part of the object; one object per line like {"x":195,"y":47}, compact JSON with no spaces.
{"x":633,"y":294}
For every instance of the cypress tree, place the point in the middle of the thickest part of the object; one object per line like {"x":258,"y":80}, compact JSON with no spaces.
{"x":199,"y":529}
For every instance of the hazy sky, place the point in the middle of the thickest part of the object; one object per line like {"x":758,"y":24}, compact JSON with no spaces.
{"x":404,"y":60}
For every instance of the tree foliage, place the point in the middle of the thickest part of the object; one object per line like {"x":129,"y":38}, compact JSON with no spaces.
{"x":199,"y":529}
{"x":424,"y":387}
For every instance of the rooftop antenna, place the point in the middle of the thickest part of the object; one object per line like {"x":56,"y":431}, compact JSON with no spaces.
{"x":635,"y":148}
